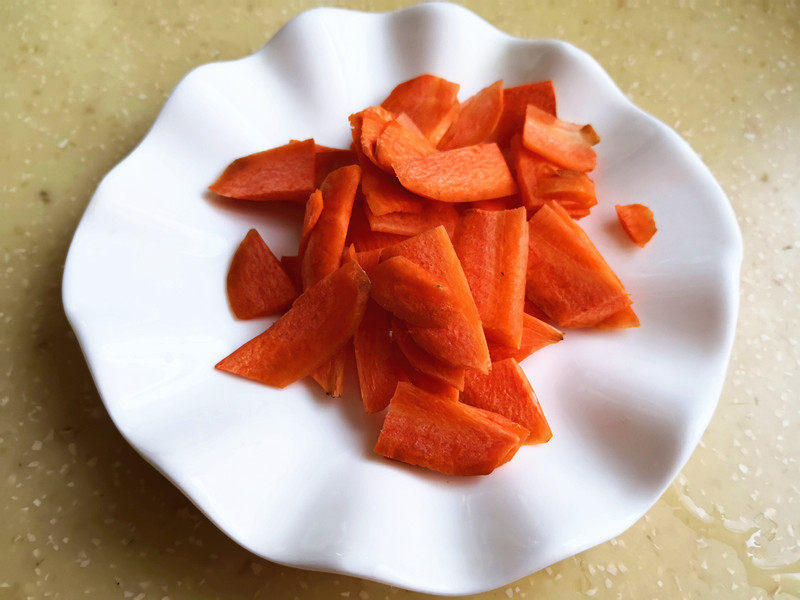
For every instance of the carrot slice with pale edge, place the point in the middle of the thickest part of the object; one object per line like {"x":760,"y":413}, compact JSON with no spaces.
{"x":319,"y":323}
{"x":429,"y":101}
{"x":638,"y":222}
{"x":408,"y":224}
{"x":566,"y":144}
{"x":257,"y":284}
{"x":536,"y":334}
{"x":622,"y":319}
{"x":450,"y":437}
{"x":477,"y":118}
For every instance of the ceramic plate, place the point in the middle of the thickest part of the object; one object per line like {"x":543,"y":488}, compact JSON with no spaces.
{"x":289,"y":474}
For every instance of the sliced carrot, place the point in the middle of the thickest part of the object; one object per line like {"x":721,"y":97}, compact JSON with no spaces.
{"x":316,"y":327}
{"x":493,"y":249}
{"x":361,"y":235}
{"x":638,"y":222}
{"x":568,"y":186}
{"x":442,"y":435}
{"x":282,"y":173}
{"x":257,"y":285}
{"x":505,"y":390}
{"x":622,"y":319}
{"x":504,"y":203}
{"x":314,"y":206}
{"x":567,"y":276}
{"x":566,"y":144}
{"x":379,"y":362}
{"x":330,"y":159}
{"x":530,"y":169}
{"x":536,"y":335}
{"x":477,"y":118}
{"x":425,"y":361}
{"x":430,"y":101}
{"x":408,"y":224}
{"x":367,"y":126}
{"x":325,"y":242}
{"x":397,"y":142}
{"x":432,"y":385}
{"x":330,"y":375}
{"x":412,"y":293}
{"x":384,"y":194}
{"x":409,"y":124}
{"x":291,"y":265}
{"x":461,"y":175}
{"x":463,"y":343}
{"x":515,"y":102}
{"x":532,"y":309}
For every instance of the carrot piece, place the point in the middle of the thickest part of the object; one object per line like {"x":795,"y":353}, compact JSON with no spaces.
{"x":397,"y":142}
{"x":314,"y":206}
{"x":450,"y":437}
{"x":409,"y":124}
{"x":361,"y":235}
{"x":506,"y":391}
{"x":493,"y":249}
{"x":536,"y":335}
{"x":568,"y":186}
{"x":532,"y":309}
{"x":318,"y":324}
{"x":430,"y":101}
{"x":432,"y":385}
{"x":567,"y":276}
{"x":408,"y":224}
{"x":461,"y":343}
{"x":477,"y":119}
{"x":257,"y":285}
{"x":622,"y":319}
{"x":330,"y":375}
{"x":566,"y":144}
{"x":366,"y":126}
{"x":412,"y":293}
{"x":325,"y":242}
{"x":461,"y":175}
{"x":379,"y":362}
{"x":504,"y":203}
{"x":328,"y":160}
{"x":530,"y":169}
{"x":368,"y":258}
{"x":291,"y":266}
{"x":384,"y":194}
{"x":638,"y":222}
{"x":282,"y":173}
{"x":515,"y":102}
{"x":424,"y":361}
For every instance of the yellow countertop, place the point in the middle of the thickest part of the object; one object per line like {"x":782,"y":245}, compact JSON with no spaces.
{"x":82,"y":516}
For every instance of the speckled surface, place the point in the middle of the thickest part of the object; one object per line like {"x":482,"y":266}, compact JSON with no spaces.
{"x":82,"y":516}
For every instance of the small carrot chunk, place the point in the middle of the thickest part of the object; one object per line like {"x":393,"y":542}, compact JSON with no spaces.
{"x":317,"y":326}
{"x":257,"y":284}
{"x":462,"y":175}
{"x":506,"y":391}
{"x":282,"y":173}
{"x":638,"y":222}
{"x":450,"y":437}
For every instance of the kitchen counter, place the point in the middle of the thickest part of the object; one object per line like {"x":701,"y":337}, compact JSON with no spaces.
{"x":83,"y":516}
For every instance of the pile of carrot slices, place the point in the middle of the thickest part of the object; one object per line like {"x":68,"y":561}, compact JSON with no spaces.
{"x":440,"y":250}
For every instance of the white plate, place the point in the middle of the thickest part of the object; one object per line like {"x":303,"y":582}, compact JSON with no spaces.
{"x":290,"y":474}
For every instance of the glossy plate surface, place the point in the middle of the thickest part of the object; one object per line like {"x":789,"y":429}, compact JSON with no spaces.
{"x":289,"y":473}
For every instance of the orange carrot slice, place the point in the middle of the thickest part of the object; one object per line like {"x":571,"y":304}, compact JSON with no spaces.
{"x":462,"y":343}
{"x":408,"y":291}
{"x":330,"y":375}
{"x":408,"y":224}
{"x":567,"y":276}
{"x":361,"y":235}
{"x":424,"y":361}
{"x":397,"y":142}
{"x":530,"y":169}
{"x":566,"y":144}
{"x":461,"y":175}
{"x":314,"y":206}
{"x":504,"y":203}
{"x":430,"y":101}
{"x":379,"y":363}
{"x":384,"y":194}
{"x":282,"y":173}
{"x":568,"y":186}
{"x":622,"y":319}
{"x":638,"y":222}
{"x":366,"y":126}
{"x":316,"y":327}
{"x":536,"y":335}
{"x":257,"y":285}
{"x":477,"y":119}
{"x":291,"y":265}
{"x":442,"y":435}
{"x":506,"y":391}
{"x":493,"y":249}
{"x":515,"y":102}
{"x":330,"y":159}
{"x":325,"y":242}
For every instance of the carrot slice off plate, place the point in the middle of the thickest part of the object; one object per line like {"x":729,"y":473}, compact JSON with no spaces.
{"x":638,"y":222}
